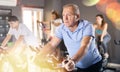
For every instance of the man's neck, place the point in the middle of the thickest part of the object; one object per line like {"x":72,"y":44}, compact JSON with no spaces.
{"x":17,"y":27}
{"x":74,"y":27}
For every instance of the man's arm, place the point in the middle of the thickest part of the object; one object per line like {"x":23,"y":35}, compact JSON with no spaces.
{"x":50,"y":46}
{"x":5,"y":41}
{"x":17,"y":44}
{"x":70,"y":65}
{"x":83,"y":48}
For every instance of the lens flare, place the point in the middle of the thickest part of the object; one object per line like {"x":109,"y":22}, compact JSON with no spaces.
{"x":102,"y":4}
{"x":113,"y":13}
{"x":90,"y":2}
{"x":28,"y":61}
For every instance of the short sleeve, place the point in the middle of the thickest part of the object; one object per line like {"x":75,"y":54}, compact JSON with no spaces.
{"x":58,"y":32}
{"x":89,"y":30}
{"x":24,"y":30}
{"x":10,"y":31}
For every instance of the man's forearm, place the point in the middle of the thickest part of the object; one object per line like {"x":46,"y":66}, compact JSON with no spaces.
{"x":5,"y":41}
{"x":47,"y":49}
{"x":83,"y":49}
{"x":79,"y":55}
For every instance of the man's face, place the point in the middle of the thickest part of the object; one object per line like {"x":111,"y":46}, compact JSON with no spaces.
{"x":68,"y":16}
{"x":13,"y":24}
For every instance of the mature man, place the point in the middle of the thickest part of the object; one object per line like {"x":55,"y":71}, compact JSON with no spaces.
{"x":78,"y":36}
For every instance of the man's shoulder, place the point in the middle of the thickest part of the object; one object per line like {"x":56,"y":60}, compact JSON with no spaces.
{"x":61,"y":27}
{"x":22,"y":25}
{"x":85,"y":21}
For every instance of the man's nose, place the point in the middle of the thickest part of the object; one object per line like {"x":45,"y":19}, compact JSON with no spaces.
{"x":65,"y":17}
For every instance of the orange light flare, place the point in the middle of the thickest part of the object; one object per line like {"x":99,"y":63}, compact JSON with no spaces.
{"x":102,"y":4}
{"x":49,"y":63}
{"x":26,"y":61}
{"x":113,"y":13}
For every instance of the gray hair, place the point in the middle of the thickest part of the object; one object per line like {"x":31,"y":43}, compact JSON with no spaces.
{"x":74,"y":6}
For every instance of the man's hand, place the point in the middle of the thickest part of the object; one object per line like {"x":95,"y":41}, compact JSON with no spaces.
{"x":69,"y":65}
{"x":2,"y":50}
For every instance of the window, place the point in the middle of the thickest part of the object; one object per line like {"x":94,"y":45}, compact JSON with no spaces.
{"x":30,"y":17}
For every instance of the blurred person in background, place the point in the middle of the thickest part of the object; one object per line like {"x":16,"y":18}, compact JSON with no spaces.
{"x":20,"y":52}
{"x":54,"y":22}
{"x":102,"y":35}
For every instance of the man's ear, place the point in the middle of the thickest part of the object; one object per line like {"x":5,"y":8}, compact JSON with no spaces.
{"x":77,"y":17}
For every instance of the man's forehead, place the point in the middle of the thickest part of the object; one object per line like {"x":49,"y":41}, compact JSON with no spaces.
{"x":68,"y":7}
{"x":11,"y":21}
{"x":69,"y":10}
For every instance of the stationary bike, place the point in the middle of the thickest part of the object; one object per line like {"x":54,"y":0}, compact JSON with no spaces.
{"x":104,"y":59}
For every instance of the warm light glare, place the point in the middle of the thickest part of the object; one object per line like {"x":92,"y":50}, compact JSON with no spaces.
{"x":90,"y":2}
{"x":26,"y":60}
{"x":113,"y":13}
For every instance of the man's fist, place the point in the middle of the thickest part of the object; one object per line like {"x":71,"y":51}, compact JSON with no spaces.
{"x":69,"y":65}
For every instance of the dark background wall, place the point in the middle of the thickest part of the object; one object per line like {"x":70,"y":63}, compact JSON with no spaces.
{"x":87,"y":13}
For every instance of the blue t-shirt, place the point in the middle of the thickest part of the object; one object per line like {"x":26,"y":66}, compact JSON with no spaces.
{"x":72,"y":41}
